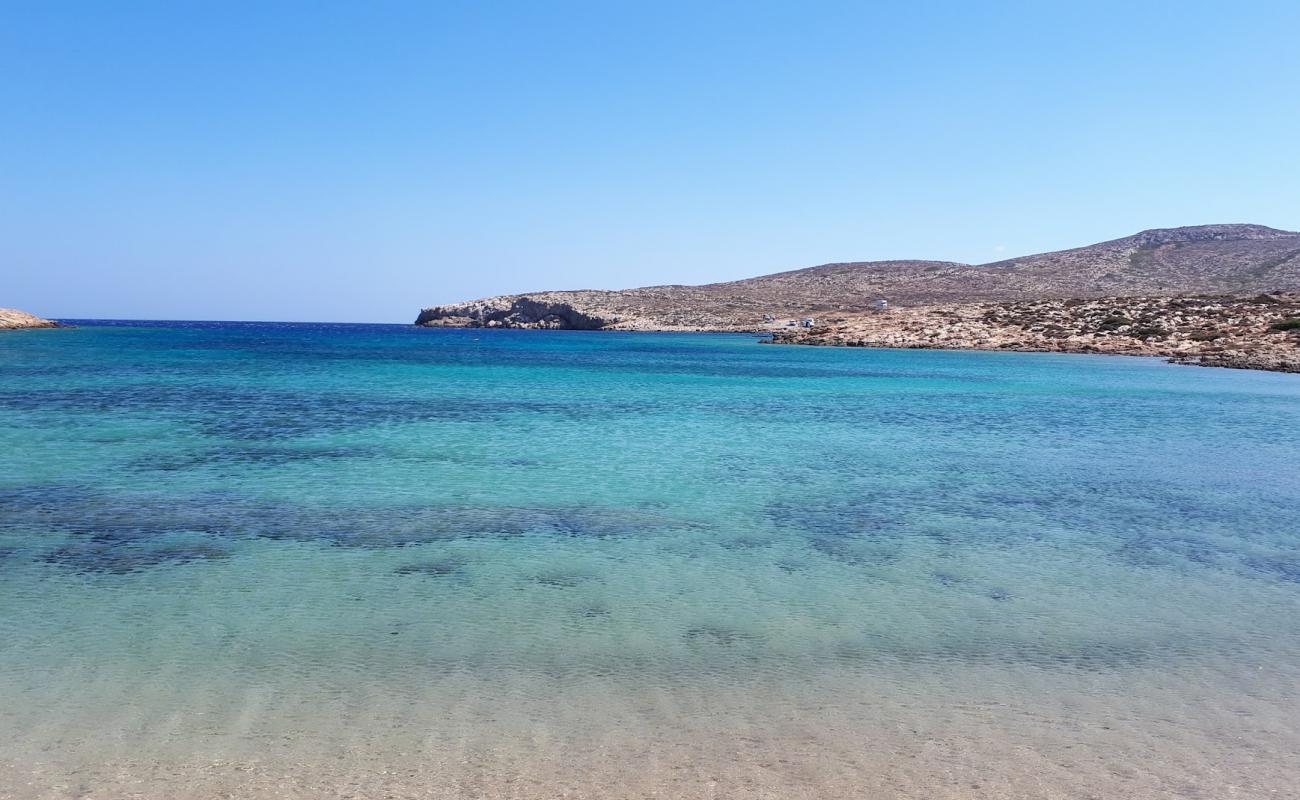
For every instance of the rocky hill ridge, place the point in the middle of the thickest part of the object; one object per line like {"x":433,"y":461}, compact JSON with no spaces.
{"x":1206,"y":259}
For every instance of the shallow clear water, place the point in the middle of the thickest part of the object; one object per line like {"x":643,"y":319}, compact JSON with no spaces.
{"x":257,"y":556}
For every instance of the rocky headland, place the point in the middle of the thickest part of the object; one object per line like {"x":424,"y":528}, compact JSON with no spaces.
{"x":12,"y":318}
{"x":1195,"y":294}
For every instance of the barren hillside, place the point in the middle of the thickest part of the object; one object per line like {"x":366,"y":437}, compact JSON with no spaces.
{"x":1207,"y":259}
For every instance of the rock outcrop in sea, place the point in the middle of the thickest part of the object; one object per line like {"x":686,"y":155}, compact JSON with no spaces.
{"x":511,"y":312}
{"x":12,"y":318}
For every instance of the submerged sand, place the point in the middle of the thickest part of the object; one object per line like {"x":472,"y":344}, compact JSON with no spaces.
{"x":982,"y":733}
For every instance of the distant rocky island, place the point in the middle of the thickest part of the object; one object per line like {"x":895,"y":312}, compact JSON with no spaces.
{"x":1221,"y":295}
{"x":12,"y":318}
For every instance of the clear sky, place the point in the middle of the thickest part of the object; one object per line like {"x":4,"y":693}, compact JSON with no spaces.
{"x":356,"y":161}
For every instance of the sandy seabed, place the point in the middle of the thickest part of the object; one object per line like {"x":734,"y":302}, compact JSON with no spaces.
{"x":984,"y":733}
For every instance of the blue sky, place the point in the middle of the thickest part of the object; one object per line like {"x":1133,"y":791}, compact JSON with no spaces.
{"x":354,"y":162}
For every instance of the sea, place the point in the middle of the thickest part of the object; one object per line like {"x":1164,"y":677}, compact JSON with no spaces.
{"x":321,"y":560}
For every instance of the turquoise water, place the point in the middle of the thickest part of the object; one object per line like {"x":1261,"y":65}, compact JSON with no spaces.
{"x":526,"y":562}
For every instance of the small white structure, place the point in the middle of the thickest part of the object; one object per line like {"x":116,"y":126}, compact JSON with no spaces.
{"x":880,"y":304}
{"x":807,"y":322}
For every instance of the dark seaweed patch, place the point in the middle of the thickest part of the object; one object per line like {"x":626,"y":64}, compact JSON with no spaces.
{"x":954,"y":581}
{"x":790,"y":565}
{"x":119,"y":558}
{"x":597,"y":523}
{"x":562,"y":579}
{"x":949,"y":579}
{"x":1169,"y":551}
{"x":111,"y":517}
{"x":717,"y":634}
{"x":745,"y":542}
{"x":856,"y":533}
{"x":435,"y":568}
{"x":266,"y":414}
{"x":1285,"y":569}
{"x":838,"y":519}
{"x":21,"y":496}
{"x":277,"y":455}
{"x":858,"y":552}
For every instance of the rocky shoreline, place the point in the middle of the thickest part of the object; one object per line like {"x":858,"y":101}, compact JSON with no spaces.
{"x":1258,"y":332}
{"x":13,"y":319}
